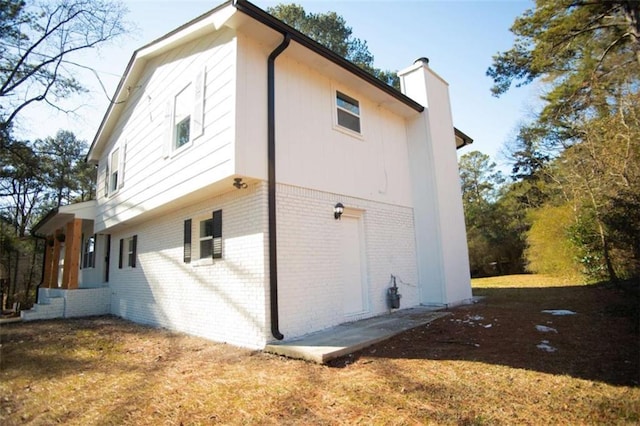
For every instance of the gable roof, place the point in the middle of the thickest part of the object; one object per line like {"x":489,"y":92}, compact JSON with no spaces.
{"x":213,"y":20}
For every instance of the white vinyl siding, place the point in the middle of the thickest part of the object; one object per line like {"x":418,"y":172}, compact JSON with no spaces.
{"x":146,"y":123}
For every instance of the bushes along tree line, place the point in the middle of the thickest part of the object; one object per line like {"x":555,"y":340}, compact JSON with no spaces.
{"x":576,"y":166}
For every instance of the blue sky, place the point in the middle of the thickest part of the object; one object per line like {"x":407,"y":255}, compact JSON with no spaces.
{"x":458,"y":36}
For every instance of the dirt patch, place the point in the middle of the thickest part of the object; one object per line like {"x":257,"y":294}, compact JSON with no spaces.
{"x":500,"y":361}
{"x":510,"y":327}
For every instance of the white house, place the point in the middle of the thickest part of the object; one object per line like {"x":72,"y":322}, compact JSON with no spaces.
{"x":230,"y":143}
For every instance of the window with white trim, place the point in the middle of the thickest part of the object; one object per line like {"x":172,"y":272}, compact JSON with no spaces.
{"x":114,"y":169}
{"x":186,"y":242}
{"x":182,"y":117}
{"x":209,"y":237}
{"x":115,"y":165}
{"x":347,"y":112}
{"x":89,"y":252}
{"x":131,"y":253}
{"x":185,"y":115}
{"x":128,"y":252}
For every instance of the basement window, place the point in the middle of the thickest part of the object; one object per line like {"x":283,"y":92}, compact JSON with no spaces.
{"x":348,"y":112}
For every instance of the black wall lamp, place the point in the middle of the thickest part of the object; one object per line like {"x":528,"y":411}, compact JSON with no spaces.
{"x":238,"y":183}
{"x":338,"y":209}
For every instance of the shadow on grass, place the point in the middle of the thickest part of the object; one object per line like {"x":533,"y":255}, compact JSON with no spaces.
{"x":600,"y":342}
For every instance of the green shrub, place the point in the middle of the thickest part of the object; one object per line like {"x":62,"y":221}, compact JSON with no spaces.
{"x":550,"y":249}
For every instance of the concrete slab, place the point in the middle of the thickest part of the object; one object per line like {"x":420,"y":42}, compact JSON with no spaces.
{"x":334,"y":342}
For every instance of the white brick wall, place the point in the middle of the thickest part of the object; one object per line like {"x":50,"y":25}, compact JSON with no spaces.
{"x":310,"y":286}
{"x":85,"y":302}
{"x":221,"y":299}
{"x":227,"y":299}
{"x":80,"y":302}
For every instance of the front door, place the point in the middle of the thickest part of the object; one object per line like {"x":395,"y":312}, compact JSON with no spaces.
{"x":352,"y":265}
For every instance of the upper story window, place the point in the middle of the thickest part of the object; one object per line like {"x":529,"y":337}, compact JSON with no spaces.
{"x":114,"y":169}
{"x":185,"y":115}
{"x":348,"y":112}
{"x":182,"y":117}
{"x":115,"y":165}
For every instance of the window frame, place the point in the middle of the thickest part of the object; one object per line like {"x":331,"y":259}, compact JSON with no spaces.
{"x":195,"y":244}
{"x":184,"y":95}
{"x":202,"y":226}
{"x":338,"y":109}
{"x":89,"y":256}
{"x":114,"y":170}
{"x":131,"y":253}
{"x":190,"y":98}
{"x":187,"y":250}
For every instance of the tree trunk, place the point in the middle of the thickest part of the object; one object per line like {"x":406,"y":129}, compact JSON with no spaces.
{"x":605,"y":252}
{"x":13,"y":281}
{"x":32,"y":272}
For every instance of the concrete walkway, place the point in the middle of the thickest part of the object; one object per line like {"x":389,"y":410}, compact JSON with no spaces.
{"x":334,"y":342}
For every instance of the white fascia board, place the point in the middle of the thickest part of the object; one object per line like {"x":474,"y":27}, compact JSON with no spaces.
{"x":207,"y":24}
{"x":84,"y":210}
{"x":65,"y":214}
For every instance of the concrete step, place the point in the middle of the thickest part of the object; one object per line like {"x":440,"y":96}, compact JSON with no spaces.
{"x":47,"y":308}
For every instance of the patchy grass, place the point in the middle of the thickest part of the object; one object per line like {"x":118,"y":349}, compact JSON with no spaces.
{"x":479,"y":365}
{"x":524,"y":280}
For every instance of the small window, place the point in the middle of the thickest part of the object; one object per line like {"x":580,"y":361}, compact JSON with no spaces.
{"x":128,"y":249}
{"x":115,"y":162}
{"x":348,"y":112}
{"x":106,"y":179}
{"x":187,"y":242}
{"x":182,"y":117}
{"x":131,"y":258}
{"x":88,"y":252}
{"x":211,"y":236}
{"x":206,"y":238}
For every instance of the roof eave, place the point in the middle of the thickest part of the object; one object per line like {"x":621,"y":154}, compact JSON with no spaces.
{"x":260,"y":15}
{"x":465,"y":140}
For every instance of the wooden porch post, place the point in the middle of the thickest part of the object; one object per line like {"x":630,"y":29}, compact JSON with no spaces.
{"x":73,"y":241}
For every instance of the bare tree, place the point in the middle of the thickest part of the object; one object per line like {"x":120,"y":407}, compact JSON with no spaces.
{"x":37,"y":44}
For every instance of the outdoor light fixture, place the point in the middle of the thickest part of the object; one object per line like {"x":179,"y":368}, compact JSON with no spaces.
{"x":238,"y":183}
{"x":337,"y":211}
